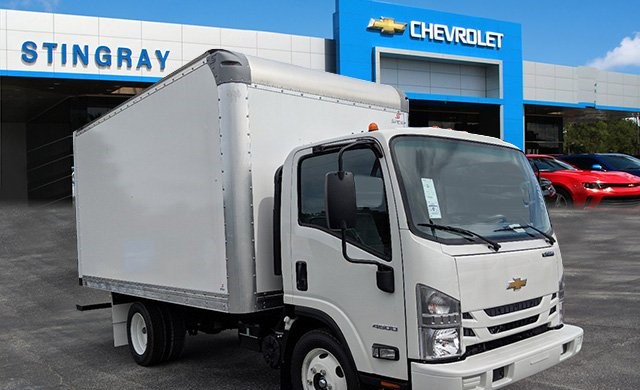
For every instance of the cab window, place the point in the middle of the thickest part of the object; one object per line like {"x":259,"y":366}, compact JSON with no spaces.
{"x":372,"y":225}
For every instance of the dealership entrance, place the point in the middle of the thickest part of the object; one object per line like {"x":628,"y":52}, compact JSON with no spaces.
{"x":38,"y":117}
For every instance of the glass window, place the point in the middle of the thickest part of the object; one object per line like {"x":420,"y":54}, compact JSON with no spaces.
{"x":372,"y":224}
{"x":582,"y":162}
{"x":478,"y":187}
{"x":621,"y":162}
{"x":548,"y":164}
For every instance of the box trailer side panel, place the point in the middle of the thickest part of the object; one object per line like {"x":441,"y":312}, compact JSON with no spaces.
{"x":149,"y":201}
{"x":189,"y":215}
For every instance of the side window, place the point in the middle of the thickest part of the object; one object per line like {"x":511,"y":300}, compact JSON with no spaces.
{"x":372,"y":227}
{"x":583,"y":162}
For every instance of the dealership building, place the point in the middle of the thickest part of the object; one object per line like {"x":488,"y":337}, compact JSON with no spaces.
{"x":58,"y":72}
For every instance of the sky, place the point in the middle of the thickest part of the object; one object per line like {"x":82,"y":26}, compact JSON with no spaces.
{"x":603,"y":34}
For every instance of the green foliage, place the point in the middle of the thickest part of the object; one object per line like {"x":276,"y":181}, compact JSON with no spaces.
{"x":619,"y":136}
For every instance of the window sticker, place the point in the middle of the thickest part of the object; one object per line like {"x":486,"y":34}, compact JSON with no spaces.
{"x":433,"y":206}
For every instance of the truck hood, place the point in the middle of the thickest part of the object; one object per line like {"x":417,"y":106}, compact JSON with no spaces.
{"x":488,"y":280}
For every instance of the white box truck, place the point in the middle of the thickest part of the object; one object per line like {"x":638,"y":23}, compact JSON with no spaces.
{"x":241,"y":193}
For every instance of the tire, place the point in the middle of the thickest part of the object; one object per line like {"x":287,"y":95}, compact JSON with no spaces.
{"x":319,"y":359}
{"x":563,"y":199}
{"x":175,"y":332}
{"x":146,"y":333}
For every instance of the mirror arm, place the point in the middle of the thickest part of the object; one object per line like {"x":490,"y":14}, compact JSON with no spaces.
{"x":384,"y":274}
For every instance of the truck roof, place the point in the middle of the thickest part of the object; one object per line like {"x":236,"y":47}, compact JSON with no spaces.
{"x":428,"y":131}
{"x":448,"y":133}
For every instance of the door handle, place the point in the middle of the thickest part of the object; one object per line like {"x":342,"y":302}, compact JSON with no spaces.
{"x":302,"y":283}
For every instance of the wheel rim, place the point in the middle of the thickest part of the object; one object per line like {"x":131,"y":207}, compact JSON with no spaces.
{"x":138,"y":331}
{"x":322,"y":371}
{"x":561,"y":201}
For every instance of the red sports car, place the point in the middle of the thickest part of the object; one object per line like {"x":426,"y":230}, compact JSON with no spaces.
{"x":578,"y":188}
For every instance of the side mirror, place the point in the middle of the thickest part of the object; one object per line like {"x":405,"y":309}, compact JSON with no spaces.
{"x":597,"y":167}
{"x":340,"y":198}
{"x":385,"y":279}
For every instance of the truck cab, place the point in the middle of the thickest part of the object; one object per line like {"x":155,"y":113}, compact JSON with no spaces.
{"x":418,"y":258}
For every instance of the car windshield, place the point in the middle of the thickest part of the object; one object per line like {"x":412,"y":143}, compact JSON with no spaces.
{"x":548,"y":164}
{"x":479,"y":187}
{"x":621,"y":162}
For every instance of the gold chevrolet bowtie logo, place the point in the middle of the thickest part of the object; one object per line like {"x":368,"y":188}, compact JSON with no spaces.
{"x":517,"y":284}
{"x":387,"y":25}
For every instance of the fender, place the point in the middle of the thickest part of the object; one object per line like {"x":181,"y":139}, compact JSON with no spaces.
{"x":305,"y":319}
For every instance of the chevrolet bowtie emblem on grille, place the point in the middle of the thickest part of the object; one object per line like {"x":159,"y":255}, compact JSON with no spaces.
{"x":517,"y":284}
{"x":387,"y":25}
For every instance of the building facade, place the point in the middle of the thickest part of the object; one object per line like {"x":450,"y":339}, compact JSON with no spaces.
{"x":58,"y":72}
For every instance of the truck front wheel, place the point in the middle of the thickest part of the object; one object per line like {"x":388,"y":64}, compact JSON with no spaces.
{"x":146,"y":333}
{"x":319,"y":362}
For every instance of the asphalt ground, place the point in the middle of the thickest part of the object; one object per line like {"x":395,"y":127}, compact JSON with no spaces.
{"x":45,"y":343}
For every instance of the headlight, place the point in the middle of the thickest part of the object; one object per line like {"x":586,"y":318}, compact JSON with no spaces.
{"x":438,"y":323}
{"x":595,"y":186}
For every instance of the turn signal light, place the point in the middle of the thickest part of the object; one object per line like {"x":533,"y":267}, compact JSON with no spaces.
{"x":385,"y":352}
{"x":389,"y":385}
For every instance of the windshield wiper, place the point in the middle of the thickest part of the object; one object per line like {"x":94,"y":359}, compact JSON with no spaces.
{"x":492,"y":244}
{"x":548,"y":237}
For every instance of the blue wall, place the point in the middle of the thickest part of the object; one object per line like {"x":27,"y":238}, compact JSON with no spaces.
{"x":355,"y":51}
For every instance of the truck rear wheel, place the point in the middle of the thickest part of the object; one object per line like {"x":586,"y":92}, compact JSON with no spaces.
{"x":175,"y":333}
{"x":146,"y":333}
{"x":319,"y":362}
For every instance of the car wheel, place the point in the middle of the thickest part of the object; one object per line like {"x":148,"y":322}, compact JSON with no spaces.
{"x":563,"y":199}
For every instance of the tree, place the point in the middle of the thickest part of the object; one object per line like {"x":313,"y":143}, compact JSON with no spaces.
{"x":619,"y":136}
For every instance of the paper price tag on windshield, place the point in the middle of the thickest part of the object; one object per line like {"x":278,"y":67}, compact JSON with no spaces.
{"x":431,"y":198}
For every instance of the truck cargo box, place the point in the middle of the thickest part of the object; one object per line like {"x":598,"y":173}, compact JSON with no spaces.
{"x":175,"y":187}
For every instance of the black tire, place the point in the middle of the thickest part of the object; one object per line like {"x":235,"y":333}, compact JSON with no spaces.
{"x":147,"y":341}
{"x":310,"y":348}
{"x":175,"y":333}
{"x":563,"y":199}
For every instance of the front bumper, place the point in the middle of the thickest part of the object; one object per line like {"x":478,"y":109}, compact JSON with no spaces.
{"x":516,"y":361}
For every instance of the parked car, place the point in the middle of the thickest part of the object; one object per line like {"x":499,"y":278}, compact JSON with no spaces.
{"x":604,"y":162}
{"x":581,"y":188}
{"x":548,"y":191}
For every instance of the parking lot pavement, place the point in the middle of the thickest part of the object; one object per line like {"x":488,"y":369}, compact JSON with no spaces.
{"x":46,"y":344}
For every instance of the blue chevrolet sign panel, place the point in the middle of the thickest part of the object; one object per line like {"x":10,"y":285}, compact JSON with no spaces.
{"x":365,"y":31}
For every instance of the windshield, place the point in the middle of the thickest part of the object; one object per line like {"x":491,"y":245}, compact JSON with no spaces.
{"x":479,"y":187}
{"x":621,"y":162}
{"x":548,"y":164}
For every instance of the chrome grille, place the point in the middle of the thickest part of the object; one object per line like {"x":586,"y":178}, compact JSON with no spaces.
{"x":493,"y":327}
{"x":513,"y":325}
{"x":513,"y":307}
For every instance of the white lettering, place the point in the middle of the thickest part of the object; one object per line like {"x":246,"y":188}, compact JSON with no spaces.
{"x":455,"y":34}
{"x":461,"y":35}
{"x":414,"y":27}
{"x":427,"y":31}
{"x":481,"y":42}
{"x":491,"y":40}
{"x":472,"y":36}
{"x":438,"y":30}
{"x":448,"y":33}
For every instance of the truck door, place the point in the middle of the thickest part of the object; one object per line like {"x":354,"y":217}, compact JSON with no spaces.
{"x":323,"y":282}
